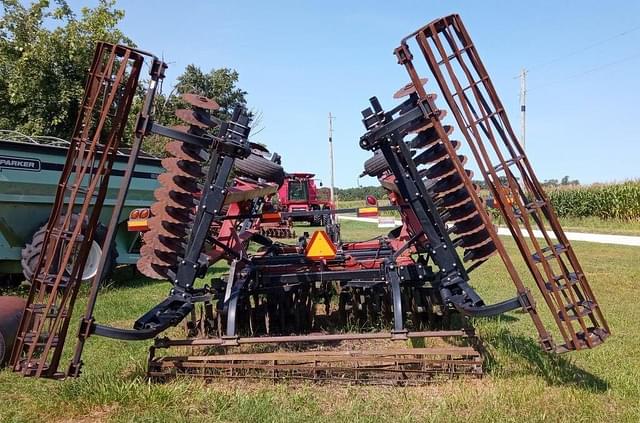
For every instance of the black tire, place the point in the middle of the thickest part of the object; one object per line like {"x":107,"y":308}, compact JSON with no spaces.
{"x":31,"y":252}
{"x":316,"y":220}
{"x":258,"y":167}
{"x":325,"y":219}
{"x":374,"y":166}
{"x":394,"y":233}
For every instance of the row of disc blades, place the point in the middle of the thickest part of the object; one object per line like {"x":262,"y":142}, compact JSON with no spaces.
{"x":176,"y":198}
{"x":447,"y":187}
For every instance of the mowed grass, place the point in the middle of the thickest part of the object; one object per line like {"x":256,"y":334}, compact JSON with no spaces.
{"x":522,"y":383}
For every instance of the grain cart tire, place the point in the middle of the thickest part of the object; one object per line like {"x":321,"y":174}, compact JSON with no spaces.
{"x":31,"y":253}
{"x":256,"y":166}
{"x":11,"y":309}
{"x":374,"y":166}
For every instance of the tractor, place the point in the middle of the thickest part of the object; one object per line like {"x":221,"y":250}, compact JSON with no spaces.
{"x":297,"y":196}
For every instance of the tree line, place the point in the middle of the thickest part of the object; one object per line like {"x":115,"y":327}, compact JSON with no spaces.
{"x":45,"y":51}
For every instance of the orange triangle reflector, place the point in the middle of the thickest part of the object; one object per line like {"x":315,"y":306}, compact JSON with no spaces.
{"x":320,"y":247}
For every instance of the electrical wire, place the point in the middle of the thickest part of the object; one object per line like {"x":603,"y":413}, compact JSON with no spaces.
{"x":582,"y":49}
{"x":588,"y":71}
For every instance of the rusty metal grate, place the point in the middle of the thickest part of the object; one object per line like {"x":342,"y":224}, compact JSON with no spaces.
{"x":110,"y":88}
{"x":375,"y":364}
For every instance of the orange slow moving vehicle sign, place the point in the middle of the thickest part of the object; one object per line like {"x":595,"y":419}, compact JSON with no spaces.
{"x":320,"y":247}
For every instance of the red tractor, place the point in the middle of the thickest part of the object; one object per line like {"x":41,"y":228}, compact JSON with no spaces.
{"x":299,"y":193}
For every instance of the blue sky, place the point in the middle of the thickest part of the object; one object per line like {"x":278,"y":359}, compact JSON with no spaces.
{"x":301,"y":60}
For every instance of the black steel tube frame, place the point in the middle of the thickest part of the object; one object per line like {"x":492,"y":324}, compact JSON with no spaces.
{"x":231,"y":143}
{"x":386,"y":133}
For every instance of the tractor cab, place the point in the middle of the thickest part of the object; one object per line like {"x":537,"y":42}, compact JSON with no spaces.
{"x":299,"y":188}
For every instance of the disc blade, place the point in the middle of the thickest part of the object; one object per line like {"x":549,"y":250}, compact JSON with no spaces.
{"x":183,"y":151}
{"x":182,"y":184}
{"x":408,"y":89}
{"x":200,"y":101}
{"x":483,"y":253}
{"x":181,"y":167}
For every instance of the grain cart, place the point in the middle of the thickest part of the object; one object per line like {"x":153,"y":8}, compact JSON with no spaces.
{"x":30,"y":168}
{"x":409,"y":284}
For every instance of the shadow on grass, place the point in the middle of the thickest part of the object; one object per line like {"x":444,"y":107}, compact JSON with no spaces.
{"x":127,"y":277}
{"x":508,"y":354}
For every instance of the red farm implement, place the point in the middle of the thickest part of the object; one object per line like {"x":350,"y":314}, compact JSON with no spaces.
{"x":283,"y":310}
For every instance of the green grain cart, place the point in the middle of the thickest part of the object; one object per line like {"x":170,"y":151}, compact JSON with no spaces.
{"x":29,"y":172}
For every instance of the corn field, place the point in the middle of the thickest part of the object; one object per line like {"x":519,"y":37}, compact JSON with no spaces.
{"x":606,"y":201}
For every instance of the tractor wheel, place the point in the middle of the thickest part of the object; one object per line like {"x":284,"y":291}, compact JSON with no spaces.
{"x":31,"y":253}
{"x":374,"y":166}
{"x":256,"y":166}
{"x":316,"y":219}
{"x":325,"y":219}
{"x":11,"y":309}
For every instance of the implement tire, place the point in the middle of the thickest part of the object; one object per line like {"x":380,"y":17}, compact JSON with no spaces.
{"x":376,"y":165}
{"x":259,"y":167}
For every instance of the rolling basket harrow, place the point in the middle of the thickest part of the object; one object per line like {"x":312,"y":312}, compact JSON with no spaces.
{"x":282,"y":309}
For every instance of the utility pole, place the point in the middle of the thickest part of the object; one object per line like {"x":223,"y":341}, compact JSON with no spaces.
{"x":523,"y":107}
{"x":331,"y":155}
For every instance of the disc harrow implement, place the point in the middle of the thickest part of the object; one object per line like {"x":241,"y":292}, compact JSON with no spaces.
{"x":282,"y":309}
{"x":173,"y":212}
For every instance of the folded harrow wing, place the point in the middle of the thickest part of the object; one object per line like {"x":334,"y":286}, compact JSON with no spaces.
{"x":453,"y":60}
{"x":406,"y":285}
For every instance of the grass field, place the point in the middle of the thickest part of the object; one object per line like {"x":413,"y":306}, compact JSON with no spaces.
{"x":522,"y":383}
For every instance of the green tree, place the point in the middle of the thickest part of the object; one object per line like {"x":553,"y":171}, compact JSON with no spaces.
{"x":217,"y":84}
{"x":45,"y":51}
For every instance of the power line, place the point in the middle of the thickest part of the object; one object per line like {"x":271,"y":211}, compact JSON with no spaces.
{"x":585,"y":48}
{"x":591,"y":70}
